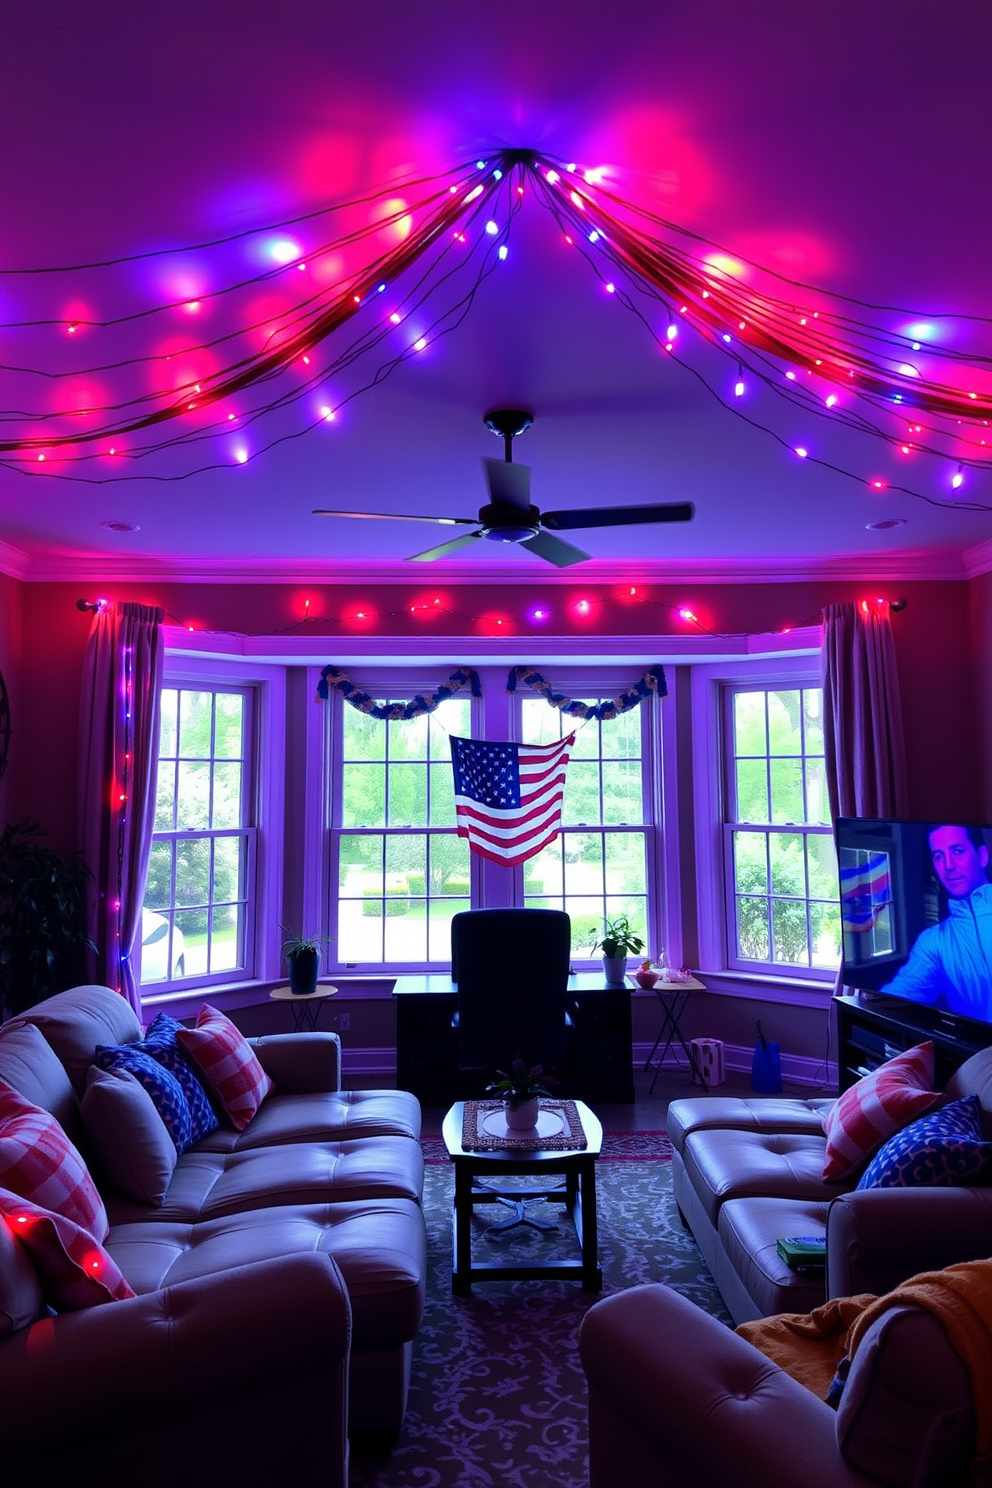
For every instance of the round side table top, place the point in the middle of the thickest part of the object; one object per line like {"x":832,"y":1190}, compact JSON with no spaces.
{"x":286,"y":994}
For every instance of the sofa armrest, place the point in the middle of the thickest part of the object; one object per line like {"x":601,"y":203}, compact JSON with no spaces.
{"x":676,"y":1398}
{"x":878,"y":1238}
{"x":85,"y":1375}
{"x":300,"y":1063}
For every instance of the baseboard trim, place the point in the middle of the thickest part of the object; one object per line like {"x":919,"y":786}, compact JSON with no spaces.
{"x":798,"y":1069}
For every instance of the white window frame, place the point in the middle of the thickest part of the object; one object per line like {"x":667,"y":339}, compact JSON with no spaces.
{"x":496,"y":716}
{"x":707,"y":687}
{"x":265,"y":791}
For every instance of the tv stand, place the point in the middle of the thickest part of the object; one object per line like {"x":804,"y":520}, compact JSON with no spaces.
{"x":872,"y":1028}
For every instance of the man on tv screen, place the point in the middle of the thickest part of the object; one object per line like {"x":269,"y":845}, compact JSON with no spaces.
{"x":950,"y":964}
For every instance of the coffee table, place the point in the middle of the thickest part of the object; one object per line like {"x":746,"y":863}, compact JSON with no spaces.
{"x":480,"y":1178}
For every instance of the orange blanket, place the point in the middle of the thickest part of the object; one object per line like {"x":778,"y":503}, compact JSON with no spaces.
{"x":809,"y":1346}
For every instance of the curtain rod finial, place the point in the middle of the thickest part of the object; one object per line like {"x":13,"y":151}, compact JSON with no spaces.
{"x":895,"y":605}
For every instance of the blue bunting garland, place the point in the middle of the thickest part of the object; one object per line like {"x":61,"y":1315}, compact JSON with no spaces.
{"x":652,"y":681}
{"x":332,"y":676}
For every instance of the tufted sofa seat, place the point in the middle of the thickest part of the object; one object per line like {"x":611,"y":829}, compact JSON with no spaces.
{"x":318,"y":1172}
{"x":748,"y":1172}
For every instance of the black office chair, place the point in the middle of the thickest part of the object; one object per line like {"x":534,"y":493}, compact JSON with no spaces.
{"x":511,"y":967}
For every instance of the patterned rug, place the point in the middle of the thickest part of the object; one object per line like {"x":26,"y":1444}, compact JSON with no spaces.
{"x":497,"y":1397}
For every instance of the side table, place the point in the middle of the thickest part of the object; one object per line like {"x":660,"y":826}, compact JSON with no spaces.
{"x":306,"y":1005}
{"x":673,"y":997}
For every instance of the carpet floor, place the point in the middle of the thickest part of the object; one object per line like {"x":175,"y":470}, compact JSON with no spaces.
{"x":497,"y":1396}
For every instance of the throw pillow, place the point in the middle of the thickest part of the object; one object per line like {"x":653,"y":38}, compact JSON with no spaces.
{"x":161,"y":1042}
{"x":228,"y":1064}
{"x":906,"y":1416}
{"x":22,"y":1301}
{"x":39,"y":1163}
{"x":74,"y":1270}
{"x":876,"y":1107}
{"x":163,"y":1087}
{"x":939,"y":1151}
{"x":128,"y":1135}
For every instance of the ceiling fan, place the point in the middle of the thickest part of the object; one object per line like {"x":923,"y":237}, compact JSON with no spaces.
{"x":509,"y":516}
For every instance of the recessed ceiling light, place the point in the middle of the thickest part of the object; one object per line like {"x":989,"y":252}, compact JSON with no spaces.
{"x":121,"y":526}
{"x":886,"y":524}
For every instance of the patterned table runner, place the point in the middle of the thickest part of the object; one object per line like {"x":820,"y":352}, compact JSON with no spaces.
{"x":475,"y":1139}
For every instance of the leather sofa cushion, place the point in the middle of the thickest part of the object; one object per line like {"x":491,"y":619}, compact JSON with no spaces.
{"x":29,"y":1064}
{"x":380,"y":1246}
{"x":725,"y":1165}
{"x":749,"y":1230}
{"x":211,"y":1185}
{"x":327,"y":1116}
{"x":75,"y":1022}
{"x":974,"y":1077}
{"x":744,"y":1113}
{"x":906,"y":1417}
{"x":129,"y":1137}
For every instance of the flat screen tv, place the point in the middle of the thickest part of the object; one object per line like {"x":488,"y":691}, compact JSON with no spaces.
{"x":916,"y":912}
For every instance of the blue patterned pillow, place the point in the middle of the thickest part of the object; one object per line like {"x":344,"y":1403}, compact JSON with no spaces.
{"x":163,"y":1087}
{"x":939,"y":1150}
{"x":160,"y":1041}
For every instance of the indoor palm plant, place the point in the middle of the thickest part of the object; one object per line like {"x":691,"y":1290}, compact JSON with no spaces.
{"x":617,"y":942}
{"x":301,"y":954}
{"x":520,"y":1089}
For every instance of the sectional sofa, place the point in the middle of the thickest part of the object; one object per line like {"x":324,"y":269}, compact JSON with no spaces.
{"x":281,"y":1275}
{"x":749,"y":1170}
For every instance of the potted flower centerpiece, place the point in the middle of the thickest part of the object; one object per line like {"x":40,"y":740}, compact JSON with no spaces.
{"x":617,"y":943}
{"x":301,"y":954}
{"x":521,"y":1090}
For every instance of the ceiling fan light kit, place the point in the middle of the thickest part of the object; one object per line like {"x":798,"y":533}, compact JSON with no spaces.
{"x":510,"y":517}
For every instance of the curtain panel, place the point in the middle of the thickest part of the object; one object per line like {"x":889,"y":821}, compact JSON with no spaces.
{"x":120,"y":709}
{"x":863,"y":732}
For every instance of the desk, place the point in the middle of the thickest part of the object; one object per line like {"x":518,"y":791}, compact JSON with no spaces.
{"x":601,"y":1064}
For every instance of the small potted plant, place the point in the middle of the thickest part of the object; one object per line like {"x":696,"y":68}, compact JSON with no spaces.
{"x":301,"y":954}
{"x":521,"y":1089}
{"x":617,"y":943}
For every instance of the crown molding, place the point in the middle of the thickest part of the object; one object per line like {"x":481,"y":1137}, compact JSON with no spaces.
{"x":103,"y":569}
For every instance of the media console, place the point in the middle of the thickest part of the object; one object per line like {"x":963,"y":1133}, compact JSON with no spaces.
{"x":601,"y":1062}
{"x":871,"y":1028}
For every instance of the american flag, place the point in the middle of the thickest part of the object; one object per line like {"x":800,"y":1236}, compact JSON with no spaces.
{"x":865,"y":889}
{"x":508,"y":796}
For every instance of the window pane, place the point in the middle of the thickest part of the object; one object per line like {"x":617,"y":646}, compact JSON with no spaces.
{"x":753,"y":940}
{"x":813,"y":719}
{"x":224,"y":938}
{"x":449,"y":865}
{"x":407,"y":738}
{"x":442,"y":796}
{"x":407,"y":795}
{"x":228,"y":858}
{"x":787,"y":863}
{"x":193,"y":871}
{"x":170,"y":722}
{"x":581,"y":805}
{"x":752,"y":791}
{"x":583,"y":863}
{"x":825,"y":924}
{"x":229,"y":726}
{"x":625,"y":863}
{"x":622,"y":801}
{"x":787,"y":790}
{"x":439,"y":917}
{"x":195,"y":724}
{"x":547,"y":867}
{"x":791,"y":945}
{"x":193,"y":797}
{"x":817,"y":805}
{"x":750,"y":862}
{"x":227,"y":796}
{"x":360,"y":929}
{"x":587,"y":735}
{"x":621,"y":736}
{"x":165,"y":797}
{"x":364,"y":796}
{"x":749,"y":723}
{"x":360,"y":865}
{"x":405,"y":931}
{"x":784,"y":729}
{"x":406,"y":862}
{"x":158,"y":890}
{"x":191,"y":928}
{"x":822,"y":855}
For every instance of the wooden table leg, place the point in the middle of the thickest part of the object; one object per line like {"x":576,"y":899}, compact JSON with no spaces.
{"x":461,"y":1232}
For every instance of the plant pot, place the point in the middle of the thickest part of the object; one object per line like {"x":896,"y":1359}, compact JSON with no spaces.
{"x":615,"y":968}
{"x":303,"y":967}
{"x":524,"y":1118}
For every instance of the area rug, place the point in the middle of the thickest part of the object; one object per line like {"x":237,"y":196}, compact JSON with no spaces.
{"x":497,"y":1396}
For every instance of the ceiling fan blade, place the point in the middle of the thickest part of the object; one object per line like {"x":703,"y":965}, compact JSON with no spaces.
{"x":619,"y":516}
{"x":444,"y":549}
{"x":320,"y":511}
{"x":509,"y":484}
{"x":561,"y":554}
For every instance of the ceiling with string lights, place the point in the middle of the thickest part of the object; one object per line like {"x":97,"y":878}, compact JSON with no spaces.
{"x":259,"y":262}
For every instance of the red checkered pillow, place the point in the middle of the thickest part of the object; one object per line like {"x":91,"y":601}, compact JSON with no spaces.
{"x":38,"y":1162}
{"x":226,"y":1064}
{"x":878,"y":1106}
{"x":73,"y":1269}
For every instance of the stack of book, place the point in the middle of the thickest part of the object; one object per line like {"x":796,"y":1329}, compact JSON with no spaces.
{"x":804,"y":1252}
